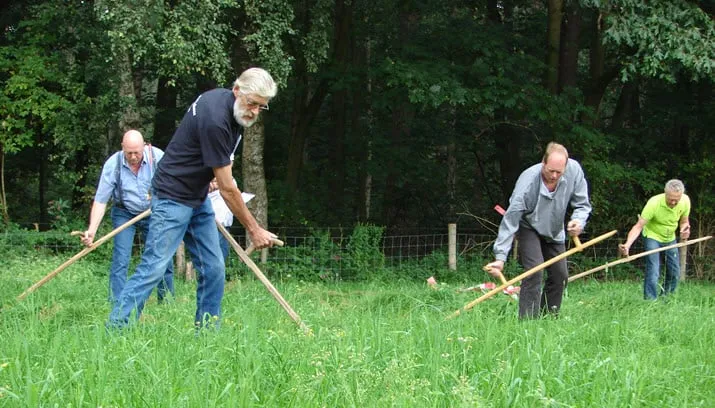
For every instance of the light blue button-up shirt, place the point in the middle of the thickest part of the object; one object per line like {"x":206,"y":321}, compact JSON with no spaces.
{"x":533,"y":206}
{"x":135,"y":187}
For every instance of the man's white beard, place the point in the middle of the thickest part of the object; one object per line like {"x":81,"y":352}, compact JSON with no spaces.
{"x":238,"y":115}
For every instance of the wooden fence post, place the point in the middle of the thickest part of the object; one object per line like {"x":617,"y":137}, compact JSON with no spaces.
{"x":264,"y":255}
{"x":180,"y":269}
{"x":184,"y":268}
{"x":683,"y":255}
{"x":452,"y":234}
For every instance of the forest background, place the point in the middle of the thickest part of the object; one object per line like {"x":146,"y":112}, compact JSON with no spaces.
{"x":398,"y":113}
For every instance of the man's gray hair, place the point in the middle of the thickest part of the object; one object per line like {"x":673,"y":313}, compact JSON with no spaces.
{"x":674,"y":186}
{"x":257,"y":81}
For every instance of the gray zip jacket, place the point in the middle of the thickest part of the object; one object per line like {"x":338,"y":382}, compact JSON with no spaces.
{"x":533,"y":206}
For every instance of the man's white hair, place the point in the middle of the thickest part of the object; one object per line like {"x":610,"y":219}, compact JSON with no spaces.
{"x":257,"y":81}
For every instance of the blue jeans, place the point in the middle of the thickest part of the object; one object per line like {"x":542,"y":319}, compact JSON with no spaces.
{"x":170,"y":223}
{"x":122,"y":254}
{"x":652,"y":269}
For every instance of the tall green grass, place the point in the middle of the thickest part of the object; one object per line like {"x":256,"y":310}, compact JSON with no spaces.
{"x":373,"y":345}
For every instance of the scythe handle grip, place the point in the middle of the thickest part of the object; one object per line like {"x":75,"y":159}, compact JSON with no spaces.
{"x":276,"y":242}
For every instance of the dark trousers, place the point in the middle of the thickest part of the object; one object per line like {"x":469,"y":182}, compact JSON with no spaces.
{"x":534,"y":250}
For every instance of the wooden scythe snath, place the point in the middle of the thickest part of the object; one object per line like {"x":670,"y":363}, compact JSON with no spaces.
{"x":83,"y":252}
{"x":276,"y":242}
{"x":249,"y":262}
{"x":578,"y":248}
{"x":636,"y":256}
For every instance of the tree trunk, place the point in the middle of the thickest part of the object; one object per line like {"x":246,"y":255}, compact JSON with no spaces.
{"x":130,"y":113}
{"x":166,"y":113}
{"x":364,"y":199}
{"x":3,"y":197}
{"x":42,"y":182}
{"x":493,"y":11}
{"x":623,"y":107}
{"x":568,"y":65}
{"x":553,"y":35}
{"x":508,"y":144}
{"x":365,"y":142}
{"x":305,"y":109}
{"x":451,"y":182}
{"x":336,"y":150}
{"x":597,"y":55}
{"x":400,"y":129}
{"x":400,"y":133}
{"x":252,"y":169}
{"x":81,"y":163}
{"x":479,"y":184}
{"x":341,"y":62}
{"x":599,"y":77}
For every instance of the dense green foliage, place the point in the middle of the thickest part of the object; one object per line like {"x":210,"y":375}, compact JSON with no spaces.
{"x":371,"y":346}
{"x":403,"y":114}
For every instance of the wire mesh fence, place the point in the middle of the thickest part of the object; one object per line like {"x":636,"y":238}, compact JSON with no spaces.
{"x":333,"y":253}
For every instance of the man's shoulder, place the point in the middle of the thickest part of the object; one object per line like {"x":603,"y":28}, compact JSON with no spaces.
{"x":574,"y":165}
{"x":112,"y":159}
{"x":528,"y":181}
{"x":218,"y":96}
{"x":685,"y":202}
{"x":155,"y":150}
{"x":214,"y":108}
{"x":655,"y":201}
{"x":531,"y":170}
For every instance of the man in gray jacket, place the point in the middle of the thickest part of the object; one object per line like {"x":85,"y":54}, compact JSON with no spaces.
{"x":536,"y":215}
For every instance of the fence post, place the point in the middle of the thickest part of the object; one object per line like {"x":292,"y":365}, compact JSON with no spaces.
{"x":184,"y":268}
{"x":180,"y":269}
{"x":683,"y":255}
{"x":452,"y":234}
{"x":264,"y":255}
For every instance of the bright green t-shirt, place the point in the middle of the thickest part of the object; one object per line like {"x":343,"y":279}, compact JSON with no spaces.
{"x":662,"y":220}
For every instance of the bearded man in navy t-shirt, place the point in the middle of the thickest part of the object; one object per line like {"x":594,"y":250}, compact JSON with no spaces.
{"x":200,"y":150}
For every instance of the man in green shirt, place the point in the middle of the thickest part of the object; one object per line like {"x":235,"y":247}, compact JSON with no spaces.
{"x":658,"y":221}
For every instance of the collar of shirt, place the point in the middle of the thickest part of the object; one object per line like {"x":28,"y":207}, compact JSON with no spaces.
{"x":144,"y":159}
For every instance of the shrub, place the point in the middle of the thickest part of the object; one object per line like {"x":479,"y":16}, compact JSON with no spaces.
{"x":364,"y":252}
{"x":319,"y":258}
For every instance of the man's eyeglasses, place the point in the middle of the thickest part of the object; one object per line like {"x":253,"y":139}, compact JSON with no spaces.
{"x":253,"y":104}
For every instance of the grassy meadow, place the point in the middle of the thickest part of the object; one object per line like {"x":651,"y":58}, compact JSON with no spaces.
{"x":372,"y":345}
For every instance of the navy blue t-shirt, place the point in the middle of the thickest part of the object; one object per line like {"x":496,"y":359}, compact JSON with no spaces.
{"x":207,"y":136}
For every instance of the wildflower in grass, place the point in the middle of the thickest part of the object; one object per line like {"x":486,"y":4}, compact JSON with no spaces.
{"x":5,"y":390}
{"x":464,"y":390}
{"x":419,"y":385}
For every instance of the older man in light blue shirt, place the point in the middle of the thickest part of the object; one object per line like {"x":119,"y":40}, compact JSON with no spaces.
{"x":126,"y":179}
{"x":536,"y":214}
